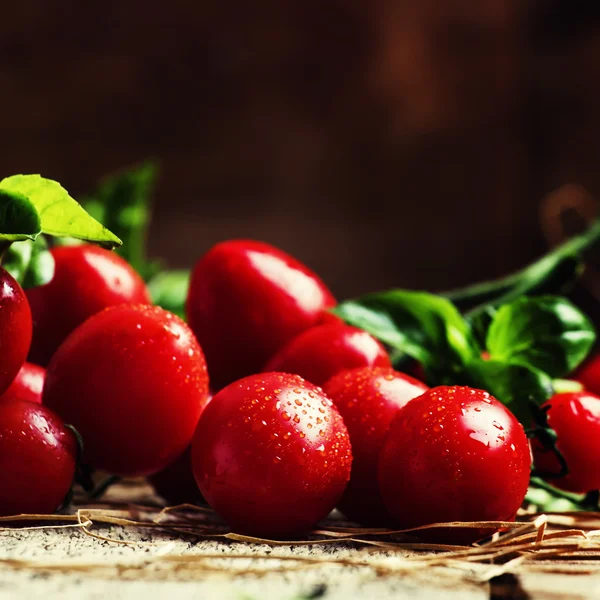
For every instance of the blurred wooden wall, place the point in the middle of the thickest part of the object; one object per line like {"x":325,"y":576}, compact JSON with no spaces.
{"x":385,"y":143}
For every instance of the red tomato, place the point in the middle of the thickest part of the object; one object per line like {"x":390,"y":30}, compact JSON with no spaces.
{"x":15,"y":329}
{"x":132,"y":380}
{"x":271,"y":454}
{"x":37,"y":459}
{"x":368,"y":399}
{"x":86,"y":280}
{"x":27,"y":385}
{"x":454,"y":454}
{"x":176,"y":483}
{"x":323,"y":351}
{"x":575,"y":417}
{"x":588,"y":374}
{"x":246,"y":300}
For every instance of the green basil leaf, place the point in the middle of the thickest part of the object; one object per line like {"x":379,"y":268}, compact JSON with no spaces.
{"x":546,"y":332}
{"x":169,"y":289}
{"x":122,"y":201}
{"x":30,"y":262}
{"x":516,"y":385}
{"x":426,"y":327}
{"x":60,"y":215}
{"x":19,"y":219}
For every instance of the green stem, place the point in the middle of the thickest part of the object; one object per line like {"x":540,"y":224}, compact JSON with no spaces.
{"x":533,"y":278}
{"x":576,"y":499}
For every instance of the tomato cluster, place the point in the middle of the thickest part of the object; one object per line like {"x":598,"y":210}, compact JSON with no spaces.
{"x":271,"y":451}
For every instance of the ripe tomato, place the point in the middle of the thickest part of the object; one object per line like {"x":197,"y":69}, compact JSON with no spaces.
{"x":271,"y":454}
{"x":37,"y":459}
{"x":27,"y":385}
{"x":132,"y":380}
{"x":176,"y":483}
{"x":86,"y":280}
{"x":368,"y":399}
{"x":588,"y":374}
{"x":575,"y":417}
{"x":454,"y":454}
{"x":15,"y":329}
{"x":246,"y":300}
{"x":320,"y":352}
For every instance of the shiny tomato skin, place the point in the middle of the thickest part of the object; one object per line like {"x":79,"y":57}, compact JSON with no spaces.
{"x":368,"y":399}
{"x":575,"y":417}
{"x":271,"y":454}
{"x":15,"y":329}
{"x":86,"y":280}
{"x":588,"y":374}
{"x":27,"y":385}
{"x":246,"y":300}
{"x":321,"y":352}
{"x":454,"y":454}
{"x":37,"y":459}
{"x":133,"y":381}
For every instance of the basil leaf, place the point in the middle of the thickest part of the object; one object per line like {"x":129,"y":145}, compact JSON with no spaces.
{"x":122,"y":201}
{"x":547,"y":332}
{"x":426,"y":327}
{"x":59,"y":214}
{"x":19,"y":220}
{"x":30,"y":262}
{"x":169,"y":289}
{"x":516,"y":385}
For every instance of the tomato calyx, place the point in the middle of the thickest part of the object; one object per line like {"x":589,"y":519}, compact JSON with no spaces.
{"x":547,"y":438}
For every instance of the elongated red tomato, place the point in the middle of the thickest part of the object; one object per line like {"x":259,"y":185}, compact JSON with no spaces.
{"x":27,"y":385}
{"x":246,"y":300}
{"x":37,"y":459}
{"x":15,"y":329}
{"x":575,"y":417}
{"x":86,"y":280}
{"x":368,"y":399}
{"x":454,"y":454}
{"x":271,"y":454}
{"x":133,"y":381}
{"x":323,"y":351}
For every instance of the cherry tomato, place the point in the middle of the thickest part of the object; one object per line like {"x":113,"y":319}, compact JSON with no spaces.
{"x":271,"y":454}
{"x":588,"y":374}
{"x":368,"y":399}
{"x":320,"y":352}
{"x":27,"y":385}
{"x":37,"y":459}
{"x":133,"y":381}
{"x":246,"y":300}
{"x":176,"y":483}
{"x":15,"y":329}
{"x":575,"y":417}
{"x":86,"y":280}
{"x":454,"y":454}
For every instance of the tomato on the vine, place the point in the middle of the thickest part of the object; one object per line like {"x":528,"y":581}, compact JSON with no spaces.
{"x":368,"y":399}
{"x":271,"y":454}
{"x":86,"y":280}
{"x":246,"y":300}
{"x":15,"y":329}
{"x":575,"y":417}
{"x":27,"y":385}
{"x":588,"y":374}
{"x":321,"y":352}
{"x":454,"y":454}
{"x":37,"y":459}
{"x":133,"y":381}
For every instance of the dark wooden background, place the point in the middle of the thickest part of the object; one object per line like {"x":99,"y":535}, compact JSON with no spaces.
{"x":389,"y":142}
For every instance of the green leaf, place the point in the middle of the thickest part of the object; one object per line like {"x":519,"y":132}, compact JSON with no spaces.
{"x":30,"y":262}
{"x":426,"y":327}
{"x":122,"y":201}
{"x":515,"y":385}
{"x":19,"y":220}
{"x":546,"y":332}
{"x":169,"y":289}
{"x":59,"y":214}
